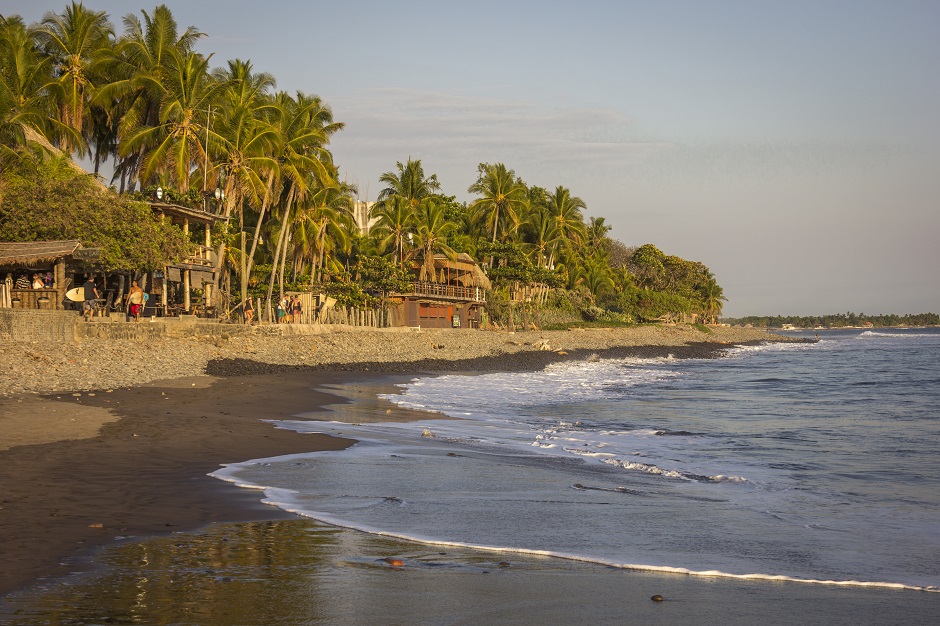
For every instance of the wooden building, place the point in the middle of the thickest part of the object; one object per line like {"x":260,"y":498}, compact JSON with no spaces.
{"x":53,"y":261}
{"x":172,"y":288}
{"x":453,"y":296}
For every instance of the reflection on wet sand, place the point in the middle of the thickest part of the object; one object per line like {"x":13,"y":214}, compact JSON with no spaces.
{"x":300,"y":571}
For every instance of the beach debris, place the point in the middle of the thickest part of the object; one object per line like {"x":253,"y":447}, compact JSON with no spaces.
{"x":657,"y":598}
{"x":561,"y":352}
{"x":96,"y":525}
{"x":77,"y":395}
{"x":544,"y":346}
{"x":503,"y":564}
{"x":393,"y":562}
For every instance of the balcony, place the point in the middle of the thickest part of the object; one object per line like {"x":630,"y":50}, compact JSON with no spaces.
{"x":202,"y":257}
{"x":447,"y":292}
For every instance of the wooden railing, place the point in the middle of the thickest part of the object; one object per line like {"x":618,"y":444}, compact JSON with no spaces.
{"x":451,"y":292}
{"x":203,"y":255}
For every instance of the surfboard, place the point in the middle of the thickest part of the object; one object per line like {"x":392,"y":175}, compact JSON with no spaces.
{"x":76,"y":295}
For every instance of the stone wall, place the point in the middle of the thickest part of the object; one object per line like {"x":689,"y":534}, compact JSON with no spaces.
{"x":17,"y":325}
{"x":38,"y":325}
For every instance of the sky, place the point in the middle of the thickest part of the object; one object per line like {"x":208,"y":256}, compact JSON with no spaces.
{"x":792,"y":147}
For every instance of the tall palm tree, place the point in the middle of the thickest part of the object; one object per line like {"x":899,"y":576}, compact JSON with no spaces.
{"x":432,"y":228}
{"x":410,"y":183}
{"x":503,"y":198}
{"x":321,"y":227}
{"x":139,"y":71}
{"x":395,"y":216}
{"x":27,"y":113}
{"x":179,"y":141}
{"x":77,"y":41}
{"x":304,"y":127}
{"x":565,"y":211}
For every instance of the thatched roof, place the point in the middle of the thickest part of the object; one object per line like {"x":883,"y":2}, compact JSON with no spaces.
{"x":32,"y":252}
{"x":474,"y":276}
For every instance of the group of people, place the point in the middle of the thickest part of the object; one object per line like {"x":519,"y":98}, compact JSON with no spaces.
{"x":38,"y":282}
{"x":289,"y":310}
{"x":136,"y":299}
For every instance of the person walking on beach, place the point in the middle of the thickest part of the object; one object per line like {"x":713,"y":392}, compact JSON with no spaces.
{"x":91,"y":294}
{"x":135,"y":298}
{"x":249,"y":310}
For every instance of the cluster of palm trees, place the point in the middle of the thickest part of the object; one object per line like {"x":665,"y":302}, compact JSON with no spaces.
{"x":148,"y":103}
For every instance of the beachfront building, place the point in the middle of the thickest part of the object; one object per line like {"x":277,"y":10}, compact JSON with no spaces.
{"x":453,"y":297}
{"x":172,"y":288}
{"x":56,"y":263}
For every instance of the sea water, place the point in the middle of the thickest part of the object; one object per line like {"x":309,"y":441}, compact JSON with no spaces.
{"x":814,"y":462}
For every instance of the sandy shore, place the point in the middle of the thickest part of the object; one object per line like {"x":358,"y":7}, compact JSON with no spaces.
{"x":79,"y":468}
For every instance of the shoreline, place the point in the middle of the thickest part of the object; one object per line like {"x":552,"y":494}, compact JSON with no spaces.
{"x":138,"y":465}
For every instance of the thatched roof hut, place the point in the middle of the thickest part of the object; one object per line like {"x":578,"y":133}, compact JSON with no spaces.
{"x":463,"y":270}
{"x":34,"y":253}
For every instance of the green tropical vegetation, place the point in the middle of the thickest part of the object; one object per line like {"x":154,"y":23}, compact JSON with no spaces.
{"x":838,"y":320}
{"x":141,"y":99}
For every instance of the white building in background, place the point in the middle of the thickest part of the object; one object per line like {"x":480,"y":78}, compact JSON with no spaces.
{"x":361,"y":211}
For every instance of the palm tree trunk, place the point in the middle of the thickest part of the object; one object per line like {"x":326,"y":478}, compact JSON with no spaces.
{"x":265,"y":203}
{"x":281,"y":241}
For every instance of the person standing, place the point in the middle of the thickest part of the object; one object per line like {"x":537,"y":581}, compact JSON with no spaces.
{"x":135,"y":297}
{"x":91,"y":294}
{"x":37,"y":282}
{"x":249,"y":310}
{"x":296,"y":309}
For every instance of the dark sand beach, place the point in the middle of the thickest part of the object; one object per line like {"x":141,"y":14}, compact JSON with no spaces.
{"x":108,"y":515}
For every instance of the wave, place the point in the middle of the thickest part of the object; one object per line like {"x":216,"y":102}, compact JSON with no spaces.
{"x":896,"y":335}
{"x":656,"y":470}
{"x":281,"y":498}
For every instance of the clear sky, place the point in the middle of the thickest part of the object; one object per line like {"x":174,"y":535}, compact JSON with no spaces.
{"x":792,"y":147}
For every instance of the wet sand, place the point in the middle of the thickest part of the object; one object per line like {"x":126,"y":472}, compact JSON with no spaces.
{"x":64,"y":492}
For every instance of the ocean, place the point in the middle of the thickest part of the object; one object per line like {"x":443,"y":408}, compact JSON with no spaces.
{"x":809,"y":462}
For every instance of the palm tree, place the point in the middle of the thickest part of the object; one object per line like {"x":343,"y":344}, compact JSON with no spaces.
{"x":140,"y":68}
{"x":503,"y":198}
{"x":304,"y":126}
{"x":27,"y":114}
{"x":409,"y":183}
{"x":432,"y":229}
{"x":77,"y":41}
{"x":179,"y":141}
{"x":395,"y":216}
{"x":565,"y":212}
{"x":322,"y":226}
{"x":245,"y":154}
{"x":712,"y":297}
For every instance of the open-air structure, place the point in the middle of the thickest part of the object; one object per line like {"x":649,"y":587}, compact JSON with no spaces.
{"x":172,"y":288}
{"x":54,"y":261}
{"x":453,"y":297}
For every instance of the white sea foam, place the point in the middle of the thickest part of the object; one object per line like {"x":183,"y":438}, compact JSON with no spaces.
{"x":287,"y":500}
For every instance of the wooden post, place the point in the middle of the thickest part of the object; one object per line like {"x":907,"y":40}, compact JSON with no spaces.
{"x":244,"y":292}
{"x":186,"y":286}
